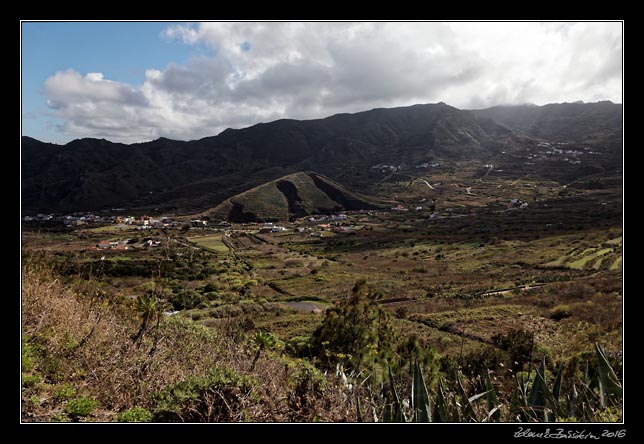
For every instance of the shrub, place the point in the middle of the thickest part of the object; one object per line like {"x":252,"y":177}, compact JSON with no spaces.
{"x":186,"y":299}
{"x":560,"y":312}
{"x":545,"y":301}
{"x":80,"y":407}
{"x":445,"y":341}
{"x":575,"y":290}
{"x":401,"y":312}
{"x":226,"y":311}
{"x":30,"y":380}
{"x":58,"y":417}
{"x":27,"y":361}
{"x":306,"y":378}
{"x":135,"y":414}
{"x":212,"y":296}
{"x":518,"y":344}
{"x":477,"y":362}
{"x":211,"y":287}
{"x":299,"y":346}
{"x":33,"y":402}
{"x":220,"y":396}
{"x":64,"y":392}
{"x":544,"y":350}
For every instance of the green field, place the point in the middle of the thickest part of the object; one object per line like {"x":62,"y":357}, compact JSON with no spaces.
{"x":212,"y":242}
{"x":607,"y":255}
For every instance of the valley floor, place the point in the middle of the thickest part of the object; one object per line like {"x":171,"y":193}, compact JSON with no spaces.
{"x":479,"y":267}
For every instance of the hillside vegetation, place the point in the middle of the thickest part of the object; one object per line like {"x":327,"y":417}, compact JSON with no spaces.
{"x":86,"y":358}
{"x":289,"y":197}
{"x":89,"y":356}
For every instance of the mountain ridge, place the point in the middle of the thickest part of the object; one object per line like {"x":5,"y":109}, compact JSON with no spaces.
{"x":94,"y":174}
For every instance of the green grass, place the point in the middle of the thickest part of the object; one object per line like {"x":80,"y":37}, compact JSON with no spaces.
{"x":211,"y":242}
{"x":581,"y":263}
{"x":115,"y":258}
{"x":103,"y":229}
{"x":557,"y":263}
{"x":266,"y":201}
{"x":583,"y":257}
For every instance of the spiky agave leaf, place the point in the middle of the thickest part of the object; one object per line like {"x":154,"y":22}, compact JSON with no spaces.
{"x":492,"y":400}
{"x":476,"y":397}
{"x":441,"y":409}
{"x":587,"y":399}
{"x":554,"y":409}
{"x":387,"y":412}
{"x":572,"y":401}
{"x":556,"y":387}
{"x":610,"y":390}
{"x":517,"y":402}
{"x":420,"y":400}
{"x":466,"y":407}
{"x":537,"y":395}
{"x":552,"y":397}
{"x":494,"y":412}
{"x":396,"y":414}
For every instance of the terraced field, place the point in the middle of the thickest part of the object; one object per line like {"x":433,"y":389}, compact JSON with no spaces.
{"x":606,"y":256}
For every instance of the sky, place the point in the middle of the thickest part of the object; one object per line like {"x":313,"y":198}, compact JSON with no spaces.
{"x":133,"y":82}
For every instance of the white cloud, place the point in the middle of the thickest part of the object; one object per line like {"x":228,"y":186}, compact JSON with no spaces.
{"x":94,"y":76}
{"x":264,"y":71}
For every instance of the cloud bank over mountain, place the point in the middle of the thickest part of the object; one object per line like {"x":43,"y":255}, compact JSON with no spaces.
{"x":262,"y":71}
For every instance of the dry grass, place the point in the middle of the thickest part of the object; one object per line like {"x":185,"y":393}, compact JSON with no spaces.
{"x":85,"y":343}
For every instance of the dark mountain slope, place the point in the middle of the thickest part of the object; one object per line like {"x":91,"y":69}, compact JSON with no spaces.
{"x":168,"y":175}
{"x":579,"y":122}
{"x":94,"y":174}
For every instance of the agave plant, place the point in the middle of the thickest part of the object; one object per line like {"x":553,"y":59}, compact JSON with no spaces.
{"x":534,"y":400}
{"x":539,"y":402}
{"x":446,"y":407}
{"x":420,"y":400}
{"x":610,"y":389}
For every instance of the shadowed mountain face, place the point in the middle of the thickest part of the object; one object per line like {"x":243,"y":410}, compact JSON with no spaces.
{"x":168,"y":175}
{"x":560,"y":122}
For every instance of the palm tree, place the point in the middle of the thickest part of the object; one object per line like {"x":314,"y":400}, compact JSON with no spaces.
{"x":149,"y":307}
{"x":263,"y":341}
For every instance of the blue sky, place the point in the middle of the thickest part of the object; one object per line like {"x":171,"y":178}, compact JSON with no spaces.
{"x":122,"y":51}
{"x":137,"y":81}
